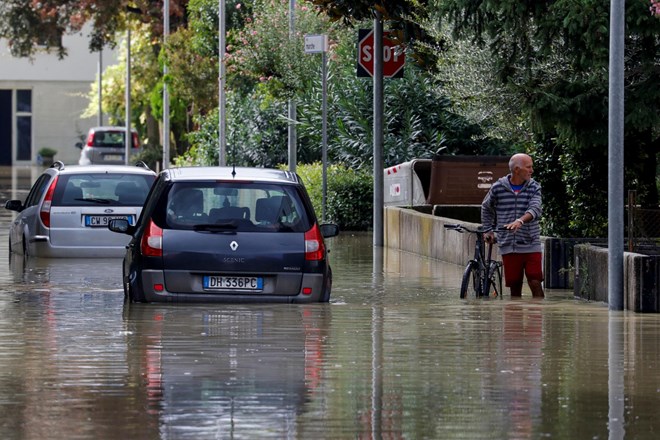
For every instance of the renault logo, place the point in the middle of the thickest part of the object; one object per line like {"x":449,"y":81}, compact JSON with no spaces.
{"x":233,"y":245}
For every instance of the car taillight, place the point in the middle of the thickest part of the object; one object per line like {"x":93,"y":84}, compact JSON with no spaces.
{"x":152,"y":241}
{"x":44,"y":213}
{"x":314,"y":247}
{"x":136,"y":142}
{"x":90,"y":139}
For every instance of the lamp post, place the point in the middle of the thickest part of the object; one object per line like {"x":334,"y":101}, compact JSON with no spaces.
{"x":166,"y":94}
{"x":128,"y":137}
{"x":222,"y":141}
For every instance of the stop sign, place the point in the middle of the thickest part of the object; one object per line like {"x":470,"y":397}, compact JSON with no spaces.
{"x":393,"y":57}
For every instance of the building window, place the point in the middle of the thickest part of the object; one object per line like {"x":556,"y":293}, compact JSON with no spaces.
{"x":23,"y":101}
{"x":23,"y":124}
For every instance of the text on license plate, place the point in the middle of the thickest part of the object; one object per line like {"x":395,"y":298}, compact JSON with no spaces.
{"x":233,"y":282}
{"x":113,"y":157}
{"x":102,"y":220}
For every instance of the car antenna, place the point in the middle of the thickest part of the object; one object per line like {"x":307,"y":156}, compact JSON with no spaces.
{"x":233,"y":171}
{"x":58,"y":164}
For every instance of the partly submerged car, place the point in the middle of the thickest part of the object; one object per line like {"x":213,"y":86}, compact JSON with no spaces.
{"x":67,"y":210}
{"x":227,"y":234}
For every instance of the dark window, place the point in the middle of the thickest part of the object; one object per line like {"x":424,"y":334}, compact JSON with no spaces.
{"x":37,"y":190}
{"x":24,"y":101}
{"x":257,"y":207}
{"x":24,"y":138}
{"x":102,"y":189}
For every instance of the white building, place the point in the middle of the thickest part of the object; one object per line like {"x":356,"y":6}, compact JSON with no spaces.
{"x":42,"y":100}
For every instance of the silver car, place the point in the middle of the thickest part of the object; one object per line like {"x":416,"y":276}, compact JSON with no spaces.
{"x":67,"y":210}
{"x":107,"y":146}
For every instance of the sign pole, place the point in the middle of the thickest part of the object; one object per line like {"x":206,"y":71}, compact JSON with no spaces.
{"x":319,"y":44}
{"x":378,"y":231}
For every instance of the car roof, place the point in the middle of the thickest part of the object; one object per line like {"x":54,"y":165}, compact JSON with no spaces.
{"x":110,"y":128}
{"x":77,"y":169}
{"x":231,"y":174}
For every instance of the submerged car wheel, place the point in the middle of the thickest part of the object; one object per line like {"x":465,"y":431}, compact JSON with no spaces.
{"x":133,"y":294}
{"x":328,"y":288}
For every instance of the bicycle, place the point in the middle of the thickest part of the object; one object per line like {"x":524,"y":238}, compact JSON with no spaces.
{"x":482,"y":273}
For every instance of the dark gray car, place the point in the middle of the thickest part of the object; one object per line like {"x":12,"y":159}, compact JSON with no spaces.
{"x":227,"y":234}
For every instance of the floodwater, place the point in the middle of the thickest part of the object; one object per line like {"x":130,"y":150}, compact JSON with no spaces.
{"x":394,"y":355}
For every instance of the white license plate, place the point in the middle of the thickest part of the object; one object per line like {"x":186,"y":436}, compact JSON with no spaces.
{"x":113,"y":157}
{"x":103,"y":220}
{"x":212,"y":282}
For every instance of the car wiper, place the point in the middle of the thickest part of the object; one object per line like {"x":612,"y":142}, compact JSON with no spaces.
{"x":95,"y":200}
{"x":215,"y":227}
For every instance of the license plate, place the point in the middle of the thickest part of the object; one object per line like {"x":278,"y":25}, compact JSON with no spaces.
{"x":212,"y":282}
{"x":103,"y":220}
{"x":113,"y":157}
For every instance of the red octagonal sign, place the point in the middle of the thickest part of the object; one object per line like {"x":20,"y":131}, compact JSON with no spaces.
{"x":394,"y":57}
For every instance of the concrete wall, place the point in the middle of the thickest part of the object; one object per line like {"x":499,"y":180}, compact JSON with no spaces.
{"x":640,"y":278}
{"x":566,"y":262}
{"x":424,"y":234}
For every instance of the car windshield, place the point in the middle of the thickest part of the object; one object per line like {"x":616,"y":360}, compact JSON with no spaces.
{"x":111,"y":189}
{"x":230,"y":207}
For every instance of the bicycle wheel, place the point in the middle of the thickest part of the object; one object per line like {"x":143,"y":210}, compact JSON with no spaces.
{"x":494,"y":286}
{"x":470,"y":284}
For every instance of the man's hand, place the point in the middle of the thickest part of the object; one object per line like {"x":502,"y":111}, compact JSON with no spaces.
{"x":514,"y":225}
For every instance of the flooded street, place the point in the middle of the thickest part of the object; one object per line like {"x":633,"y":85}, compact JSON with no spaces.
{"x":394,"y":355}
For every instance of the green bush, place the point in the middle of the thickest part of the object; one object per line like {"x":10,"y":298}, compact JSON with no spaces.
{"x":349,"y":195}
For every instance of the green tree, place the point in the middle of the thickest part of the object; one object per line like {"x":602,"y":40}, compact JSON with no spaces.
{"x":554,"y":57}
{"x":28,"y":24}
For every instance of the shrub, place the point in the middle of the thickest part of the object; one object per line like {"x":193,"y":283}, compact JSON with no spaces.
{"x":349,"y":195}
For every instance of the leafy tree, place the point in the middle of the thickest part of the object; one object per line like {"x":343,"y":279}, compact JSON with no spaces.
{"x":554,"y":56}
{"x":27,"y":24}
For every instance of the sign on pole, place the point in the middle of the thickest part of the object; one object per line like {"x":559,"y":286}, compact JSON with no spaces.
{"x":316,"y":43}
{"x":394,"y":57}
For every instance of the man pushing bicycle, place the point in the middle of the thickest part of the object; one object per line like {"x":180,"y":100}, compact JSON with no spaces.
{"x":514,"y":202}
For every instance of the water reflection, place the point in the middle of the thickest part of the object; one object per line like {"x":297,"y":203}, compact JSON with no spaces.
{"x":395,"y":354}
{"x":226,"y":372}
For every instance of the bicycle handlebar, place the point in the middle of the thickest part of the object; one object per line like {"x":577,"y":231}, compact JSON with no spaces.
{"x":480,"y":229}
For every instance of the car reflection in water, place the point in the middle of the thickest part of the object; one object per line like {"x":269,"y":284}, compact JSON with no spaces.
{"x":226,"y":371}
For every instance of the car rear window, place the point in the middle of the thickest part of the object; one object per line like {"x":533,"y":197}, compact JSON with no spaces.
{"x":110,"y":139}
{"x":232,"y":206}
{"x":105,"y":189}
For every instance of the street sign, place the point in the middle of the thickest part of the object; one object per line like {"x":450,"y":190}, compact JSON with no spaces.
{"x":394,"y":58}
{"x":316,"y":43}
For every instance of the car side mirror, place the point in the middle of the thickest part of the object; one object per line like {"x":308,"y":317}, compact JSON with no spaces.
{"x":121,"y":226}
{"x":329,"y":230}
{"x":14,"y":205}
{"x":79,"y":145}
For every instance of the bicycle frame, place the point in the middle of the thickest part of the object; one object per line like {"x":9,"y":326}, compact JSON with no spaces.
{"x":484,"y":270}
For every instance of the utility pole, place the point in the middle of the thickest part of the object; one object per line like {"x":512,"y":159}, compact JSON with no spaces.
{"x":222,"y":144}
{"x":615,"y":199}
{"x":293,"y":140}
{"x":129,"y":135}
{"x":99,"y":120}
{"x":166,"y":93}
